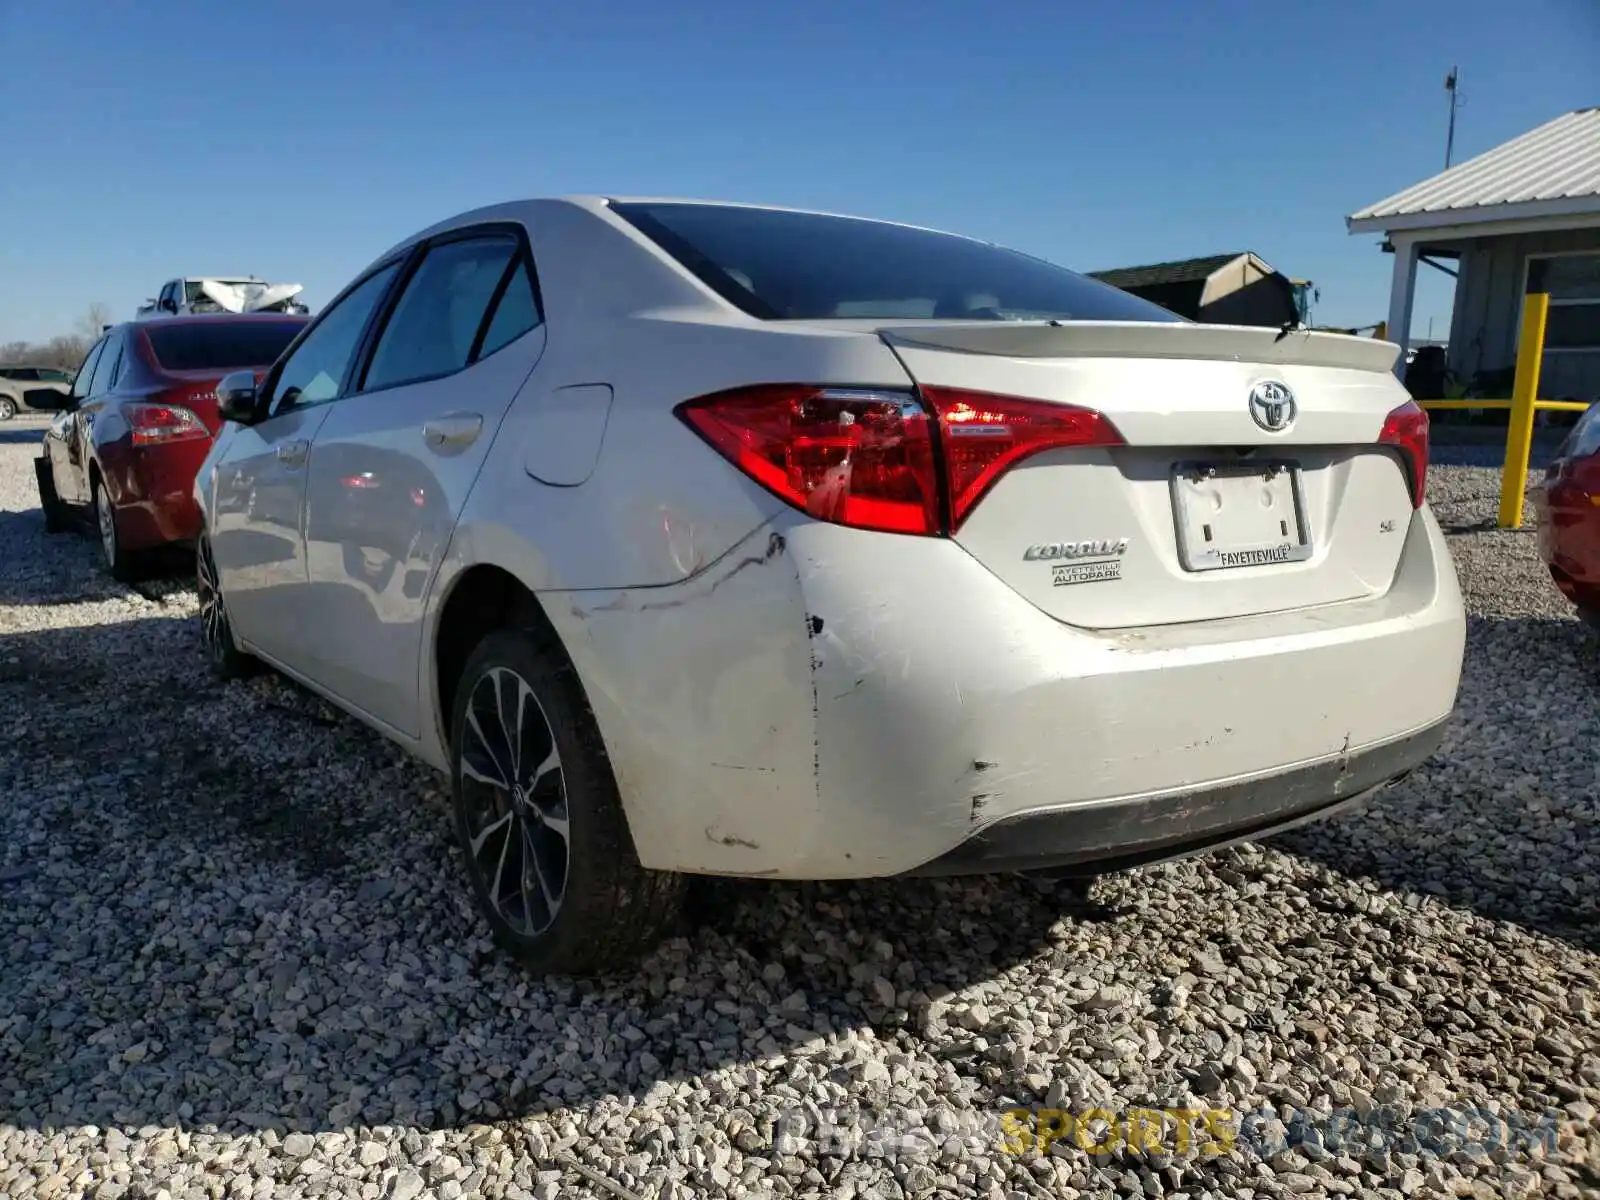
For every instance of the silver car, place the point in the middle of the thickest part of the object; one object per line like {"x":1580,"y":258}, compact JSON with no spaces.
{"x":18,"y":379}
{"x":711,"y":539}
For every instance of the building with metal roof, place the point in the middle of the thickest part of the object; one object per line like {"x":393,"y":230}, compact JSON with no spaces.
{"x":1523,"y":217}
{"x":1219,"y":289}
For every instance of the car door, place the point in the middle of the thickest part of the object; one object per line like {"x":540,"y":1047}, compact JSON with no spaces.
{"x":259,"y":476}
{"x":64,"y":441}
{"x":101,"y":403}
{"x":93,"y":411}
{"x":393,"y":463}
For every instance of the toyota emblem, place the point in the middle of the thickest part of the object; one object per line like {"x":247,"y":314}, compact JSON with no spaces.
{"x":1272,"y":405}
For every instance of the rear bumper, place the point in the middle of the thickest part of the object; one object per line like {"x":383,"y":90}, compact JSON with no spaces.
{"x":827,"y":703}
{"x":153,"y":489}
{"x":1131,"y":833}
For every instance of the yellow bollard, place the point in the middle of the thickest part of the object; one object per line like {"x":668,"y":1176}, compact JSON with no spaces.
{"x":1519,"y":433}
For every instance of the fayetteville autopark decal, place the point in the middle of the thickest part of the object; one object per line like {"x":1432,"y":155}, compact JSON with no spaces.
{"x":1092,"y":560}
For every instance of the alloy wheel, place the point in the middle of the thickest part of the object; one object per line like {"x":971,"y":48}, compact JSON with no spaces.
{"x":515,"y":797}
{"x":213,"y":618}
{"x":107,"y":520}
{"x":8,"y":408}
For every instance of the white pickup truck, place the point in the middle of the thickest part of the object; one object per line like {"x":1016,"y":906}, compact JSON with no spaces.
{"x":222,"y":293}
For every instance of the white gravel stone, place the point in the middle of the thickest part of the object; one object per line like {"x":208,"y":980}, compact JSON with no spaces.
{"x":237,"y":958}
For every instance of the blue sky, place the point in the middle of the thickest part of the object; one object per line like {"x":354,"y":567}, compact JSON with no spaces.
{"x":297,"y":142}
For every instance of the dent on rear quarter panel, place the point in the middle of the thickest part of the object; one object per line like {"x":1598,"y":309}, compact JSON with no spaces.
{"x":703,"y":693}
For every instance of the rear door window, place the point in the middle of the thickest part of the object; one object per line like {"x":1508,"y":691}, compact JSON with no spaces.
{"x":85,"y":380}
{"x":106,"y":368}
{"x":434,"y":327}
{"x":516,"y":312}
{"x":110,"y":368}
{"x":779,"y":265}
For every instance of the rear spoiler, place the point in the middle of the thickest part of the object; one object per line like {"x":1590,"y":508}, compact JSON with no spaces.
{"x":1144,"y":339}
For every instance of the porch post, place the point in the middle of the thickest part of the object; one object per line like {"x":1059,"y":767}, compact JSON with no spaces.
{"x":1402,"y":292}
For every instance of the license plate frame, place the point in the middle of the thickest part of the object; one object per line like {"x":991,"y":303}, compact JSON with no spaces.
{"x":1201,"y":490}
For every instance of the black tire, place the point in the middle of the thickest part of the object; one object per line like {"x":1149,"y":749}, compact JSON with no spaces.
{"x":8,"y":408}
{"x":125,"y":566}
{"x":216,"y":631}
{"x":609,"y":911}
{"x":55,"y":513}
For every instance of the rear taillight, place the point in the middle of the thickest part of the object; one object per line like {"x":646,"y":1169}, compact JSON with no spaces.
{"x":852,"y":456}
{"x":159,"y":424}
{"x":867,"y":457}
{"x":1406,"y":428}
{"x":985,"y":435}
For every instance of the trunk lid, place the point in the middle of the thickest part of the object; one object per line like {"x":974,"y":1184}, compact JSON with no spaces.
{"x":195,"y":390}
{"x":1207,"y":511}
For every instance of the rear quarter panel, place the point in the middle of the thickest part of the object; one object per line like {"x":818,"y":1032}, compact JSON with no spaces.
{"x":622,"y":560}
{"x":657,"y":505}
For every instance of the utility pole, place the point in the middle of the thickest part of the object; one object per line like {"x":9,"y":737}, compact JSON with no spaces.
{"x":1450,"y":82}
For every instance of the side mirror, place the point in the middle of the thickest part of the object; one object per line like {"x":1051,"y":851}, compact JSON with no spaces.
{"x":236,"y":397}
{"x":168,"y":305}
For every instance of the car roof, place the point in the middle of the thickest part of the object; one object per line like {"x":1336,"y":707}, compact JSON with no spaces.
{"x":513,"y":209}
{"x":783,"y":208}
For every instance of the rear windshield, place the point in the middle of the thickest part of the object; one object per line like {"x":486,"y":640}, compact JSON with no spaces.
{"x":801,"y":266}
{"x":220,"y":345}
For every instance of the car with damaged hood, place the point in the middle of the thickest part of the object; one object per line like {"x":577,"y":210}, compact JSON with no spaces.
{"x":712,"y":539}
{"x":223,"y":294}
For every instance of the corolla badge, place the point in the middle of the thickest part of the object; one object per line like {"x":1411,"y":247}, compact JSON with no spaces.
{"x":1272,"y":405}
{"x":1087,"y":548}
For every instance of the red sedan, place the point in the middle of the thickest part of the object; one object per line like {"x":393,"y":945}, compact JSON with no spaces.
{"x":129,"y":438}
{"x":1567,"y":502}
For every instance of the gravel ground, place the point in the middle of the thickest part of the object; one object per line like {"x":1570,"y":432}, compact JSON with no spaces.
{"x":237,"y":958}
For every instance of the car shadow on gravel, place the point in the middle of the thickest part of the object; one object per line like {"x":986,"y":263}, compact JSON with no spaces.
{"x":1505,"y":819}
{"x":230,"y":906}
{"x":65,"y":568}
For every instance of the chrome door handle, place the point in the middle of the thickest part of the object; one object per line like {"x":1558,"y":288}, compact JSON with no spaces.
{"x":452,"y":431}
{"x":293,"y":453}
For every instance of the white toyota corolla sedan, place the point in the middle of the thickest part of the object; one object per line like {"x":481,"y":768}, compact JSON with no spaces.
{"x":697,"y":538}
